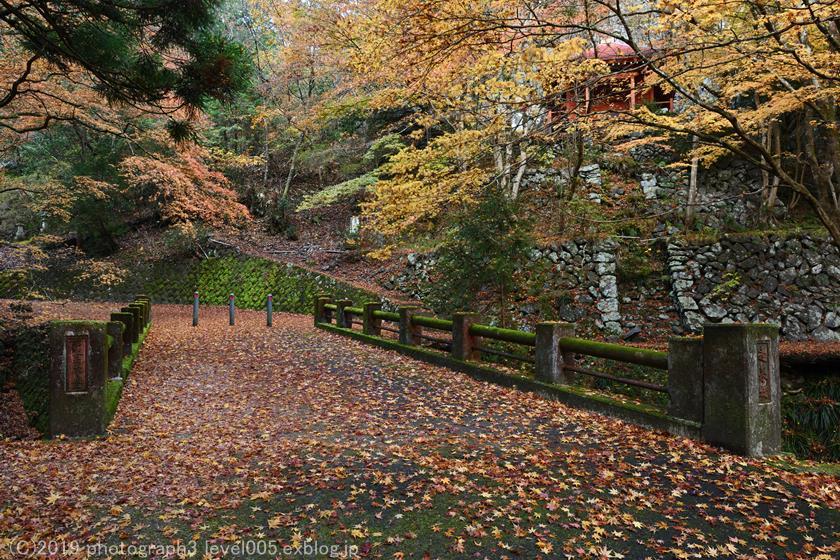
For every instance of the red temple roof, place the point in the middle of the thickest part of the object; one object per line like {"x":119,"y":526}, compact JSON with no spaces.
{"x":614,"y":50}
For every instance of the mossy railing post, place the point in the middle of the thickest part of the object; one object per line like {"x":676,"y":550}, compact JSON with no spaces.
{"x":129,"y":336}
{"x":409,"y":332}
{"x":322,"y":314}
{"x":146,"y":305}
{"x":685,"y":378}
{"x":463,"y":342}
{"x":550,"y":358}
{"x":372,"y":325}
{"x":341,"y":318}
{"x":78,"y":373}
{"x":137,"y":313}
{"x":116,"y":348}
{"x":195,"y":309}
{"x":137,"y":310}
{"x":269,"y":311}
{"x":132,"y":334}
{"x":148,"y":300}
{"x":741,"y":388}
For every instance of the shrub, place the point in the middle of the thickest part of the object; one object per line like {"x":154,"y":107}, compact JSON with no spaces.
{"x":811,"y":420}
{"x":483,"y":251}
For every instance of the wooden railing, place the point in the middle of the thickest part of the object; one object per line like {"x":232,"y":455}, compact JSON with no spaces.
{"x":726,"y":382}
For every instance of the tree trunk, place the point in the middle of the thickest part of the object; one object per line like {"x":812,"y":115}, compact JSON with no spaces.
{"x":292,"y":164}
{"x":831,"y":220}
{"x":691,"y":200}
{"x":574,"y":175}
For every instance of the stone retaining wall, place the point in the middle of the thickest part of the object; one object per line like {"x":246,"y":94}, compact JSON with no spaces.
{"x":790,"y":281}
{"x":590,"y":266}
{"x":586,"y":268}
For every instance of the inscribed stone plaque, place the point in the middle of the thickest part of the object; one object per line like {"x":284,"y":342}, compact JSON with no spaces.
{"x":763,"y":355}
{"x":76,"y":364}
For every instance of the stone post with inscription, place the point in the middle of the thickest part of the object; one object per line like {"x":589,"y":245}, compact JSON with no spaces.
{"x":741,"y":388}
{"x":78,"y":372}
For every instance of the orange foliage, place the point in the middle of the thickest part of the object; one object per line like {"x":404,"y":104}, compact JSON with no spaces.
{"x":184,"y":187}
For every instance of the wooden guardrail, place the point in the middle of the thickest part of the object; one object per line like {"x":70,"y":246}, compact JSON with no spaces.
{"x":727,"y":381}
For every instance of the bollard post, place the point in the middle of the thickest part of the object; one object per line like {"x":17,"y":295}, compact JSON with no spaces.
{"x":195,"y":309}
{"x":115,"y":330}
{"x":372,"y":325}
{"x":232,"y":309}
{"x":463,"y":343}
{"x":409,"y":333}
{"x":550,"y":358}
{"x":269,"y":311}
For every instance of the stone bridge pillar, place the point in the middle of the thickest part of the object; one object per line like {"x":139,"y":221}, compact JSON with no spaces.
{"x":741,"y":388}
{"x":78,"y":372}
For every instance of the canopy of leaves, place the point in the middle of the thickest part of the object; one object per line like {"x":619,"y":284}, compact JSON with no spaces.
{"x":143,"y":52}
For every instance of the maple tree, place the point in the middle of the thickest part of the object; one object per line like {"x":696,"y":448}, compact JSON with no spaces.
{"x":757,"y":80}
{"x":182,"y":187}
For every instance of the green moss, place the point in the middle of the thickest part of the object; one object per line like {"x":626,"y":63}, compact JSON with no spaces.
{"x":251,"y":279}
{"x":30,"y":373}
{"x":128,"y":360}
{"x":113,"y":392}
{"x":81,"y":324}
{"x":611,"y":351}
{"x":713,"y":236}
{"x":790,"y":462}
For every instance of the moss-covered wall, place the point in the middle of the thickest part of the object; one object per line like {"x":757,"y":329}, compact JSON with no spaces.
{"x":27,"y":370}
{"x":167,"y":281}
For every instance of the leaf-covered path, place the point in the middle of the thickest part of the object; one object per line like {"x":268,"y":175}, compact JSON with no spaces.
{"x":248,"y":437}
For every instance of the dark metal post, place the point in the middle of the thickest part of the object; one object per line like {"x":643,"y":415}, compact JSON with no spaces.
{"x":195,"y":309}
{"x":232,"y":310}
{"x":269,"y":311}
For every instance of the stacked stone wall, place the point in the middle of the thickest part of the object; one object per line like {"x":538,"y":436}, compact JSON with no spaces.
{"x":792,"y":281}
